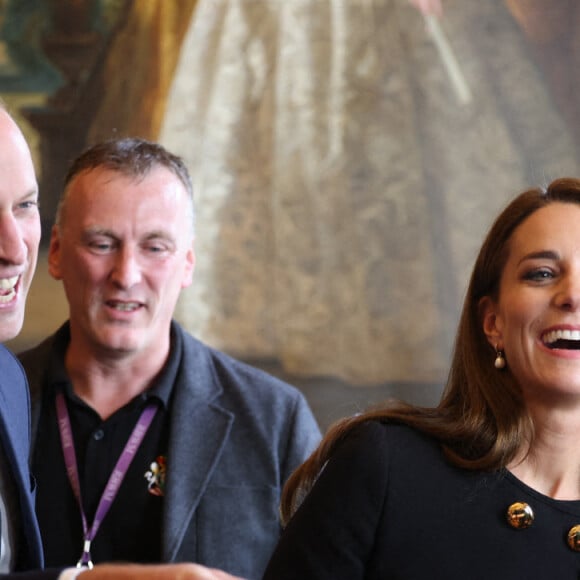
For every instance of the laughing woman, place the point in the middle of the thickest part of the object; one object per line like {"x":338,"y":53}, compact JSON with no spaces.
{"x":487,"y":484}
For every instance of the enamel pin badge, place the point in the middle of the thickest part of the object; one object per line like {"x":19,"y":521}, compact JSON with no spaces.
{"x":155,"y":476}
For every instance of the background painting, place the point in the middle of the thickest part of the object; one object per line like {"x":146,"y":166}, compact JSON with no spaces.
{"x":343,"y":179}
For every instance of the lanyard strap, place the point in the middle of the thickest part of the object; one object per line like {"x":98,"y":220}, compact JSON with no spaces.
{"x":116,"y":477}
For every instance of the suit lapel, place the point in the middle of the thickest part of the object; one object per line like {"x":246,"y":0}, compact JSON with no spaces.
{"x":15,"y":441}
{"x":14,"y":421}
{"x":198,"y":434}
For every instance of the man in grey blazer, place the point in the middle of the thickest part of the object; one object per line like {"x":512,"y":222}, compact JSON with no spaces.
{"x":20,"y":543}
{"x":149,"y":445}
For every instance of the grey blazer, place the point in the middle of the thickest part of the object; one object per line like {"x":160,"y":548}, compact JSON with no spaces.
{"x":236,"y":435}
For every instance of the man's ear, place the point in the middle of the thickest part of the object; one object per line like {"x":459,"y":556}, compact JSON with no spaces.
{"x":491,"y":321}
{"x":54,"y":254}
{"x":189,"y":266}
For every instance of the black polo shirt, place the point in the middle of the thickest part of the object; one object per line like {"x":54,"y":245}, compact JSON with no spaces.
{"x":131,"y":530}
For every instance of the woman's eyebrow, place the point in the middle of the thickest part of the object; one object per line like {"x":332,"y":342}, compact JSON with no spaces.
{"x":542,"y":254}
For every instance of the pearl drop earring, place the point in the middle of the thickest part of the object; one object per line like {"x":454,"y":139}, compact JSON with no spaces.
{"x":499,"y":362}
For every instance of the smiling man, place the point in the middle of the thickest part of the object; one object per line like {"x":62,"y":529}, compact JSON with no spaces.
{"x":20,"y":547}
{"x":20,"y":226}
{"x":180,"y":452}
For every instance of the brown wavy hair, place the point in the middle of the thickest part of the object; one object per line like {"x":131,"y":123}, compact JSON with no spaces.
{"x":480,"y":421}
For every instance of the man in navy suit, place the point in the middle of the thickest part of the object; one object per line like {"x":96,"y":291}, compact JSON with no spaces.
{"x":20,"y":545}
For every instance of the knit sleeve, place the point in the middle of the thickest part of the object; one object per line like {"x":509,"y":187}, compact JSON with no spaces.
{"x":332,"y":534}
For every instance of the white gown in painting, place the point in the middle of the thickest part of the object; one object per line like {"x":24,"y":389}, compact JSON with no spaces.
{"x":342,"y":187}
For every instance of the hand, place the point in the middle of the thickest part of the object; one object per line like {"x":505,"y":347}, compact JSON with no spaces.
{"x":154,"y":572}
{"x":428,"y":6}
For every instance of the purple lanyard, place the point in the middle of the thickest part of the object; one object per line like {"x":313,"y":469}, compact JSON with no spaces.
{"x":115,"y":479}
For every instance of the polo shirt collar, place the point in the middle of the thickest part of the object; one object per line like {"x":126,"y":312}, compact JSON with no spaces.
{"x":162,"y":386}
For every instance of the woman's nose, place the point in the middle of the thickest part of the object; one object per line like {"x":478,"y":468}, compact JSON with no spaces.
{"x":568,"y":295}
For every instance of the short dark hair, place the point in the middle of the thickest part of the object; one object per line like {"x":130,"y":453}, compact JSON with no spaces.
{"x":130,"y":156}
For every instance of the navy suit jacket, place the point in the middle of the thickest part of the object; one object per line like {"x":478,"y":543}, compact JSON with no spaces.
{"x":15,"y":441}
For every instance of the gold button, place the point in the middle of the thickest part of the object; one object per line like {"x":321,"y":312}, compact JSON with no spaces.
{"x":520,"y":515}
{"x":574,"y":538}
